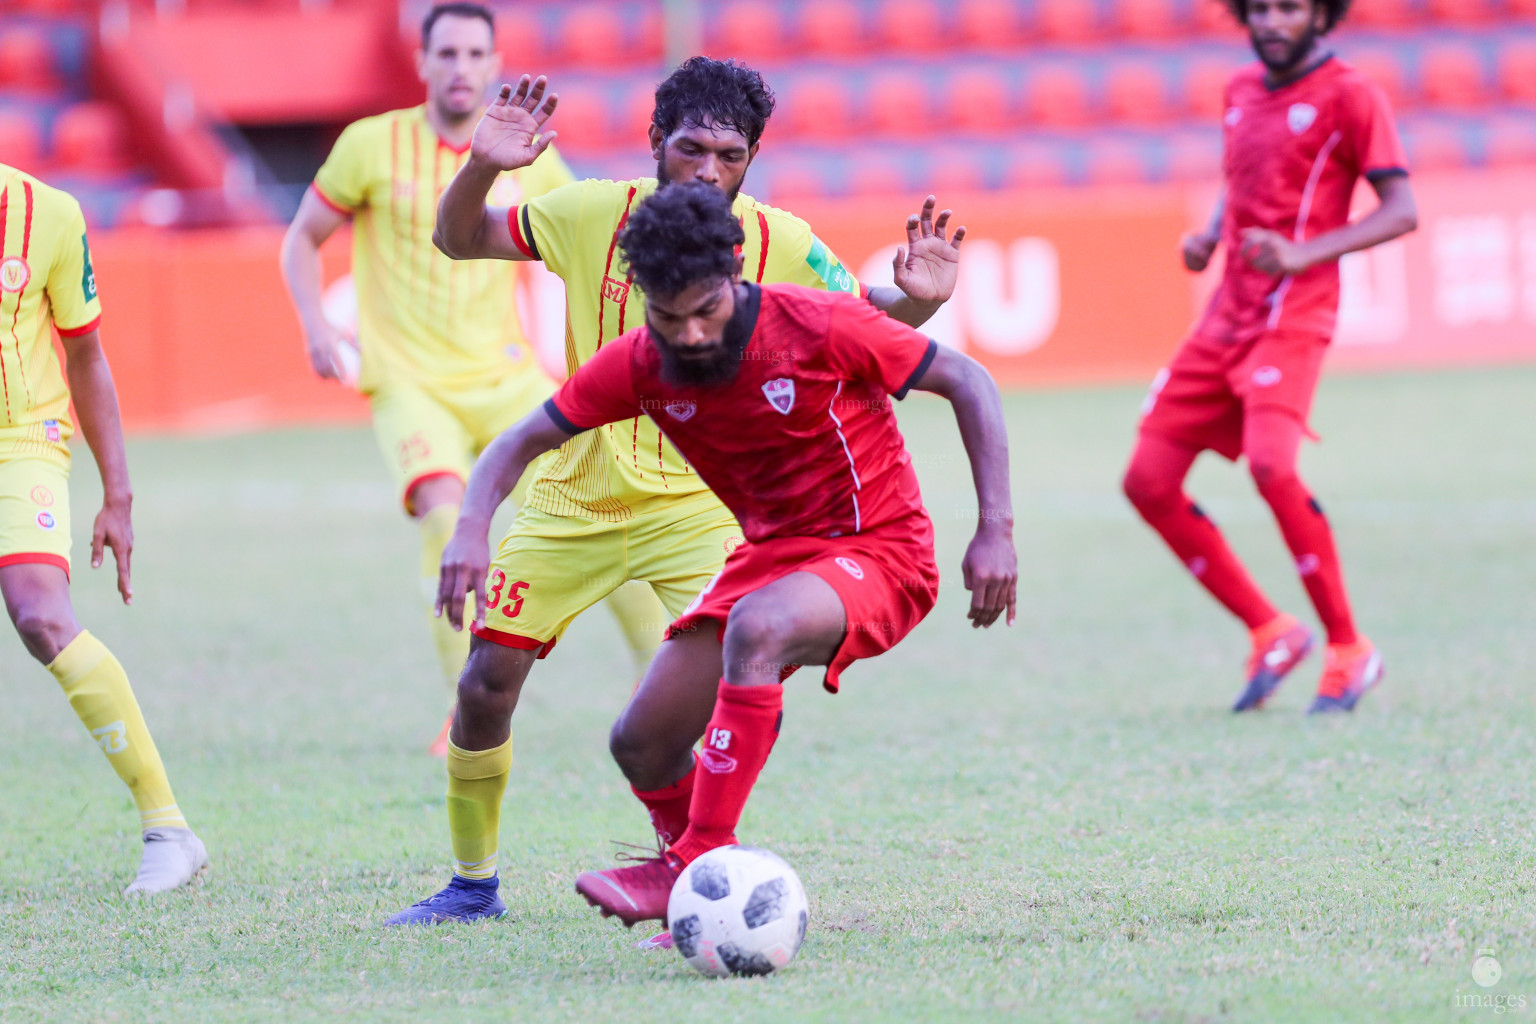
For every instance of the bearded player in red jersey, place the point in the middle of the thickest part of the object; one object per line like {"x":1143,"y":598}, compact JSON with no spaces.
{"x":1302,"y":127}
{"x":777,"y":395}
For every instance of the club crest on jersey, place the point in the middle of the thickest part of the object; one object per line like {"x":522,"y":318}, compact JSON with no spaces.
{"x":1300,"y":117}
{"x":42,"y":496}
{"x":781,"y":394}
{"x":1266,"y":376}
{"x":14,"y":274}
{"x":849,"y":566}
{"x":680,"y":410}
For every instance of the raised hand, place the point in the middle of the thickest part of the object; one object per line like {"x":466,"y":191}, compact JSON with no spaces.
{"x":507,"y":136}
{"x":927,"y":268}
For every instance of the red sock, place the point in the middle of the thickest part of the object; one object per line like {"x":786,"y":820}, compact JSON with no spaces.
{"x":736,"y":746}
{"x":1271,"y":438}
{"x":1154,"y":483}
{"x":669,"y":805}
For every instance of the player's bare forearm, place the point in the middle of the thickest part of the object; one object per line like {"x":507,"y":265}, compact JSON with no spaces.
{"x":300,"y":258}
{"x":898,"y":305}
{"x":1397,"y":215}
{"x":466,"y":228}
{"x":95,"y":398}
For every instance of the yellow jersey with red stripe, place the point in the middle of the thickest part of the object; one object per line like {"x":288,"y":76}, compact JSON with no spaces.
{"x":46,"y":282}
{"x":625,"y":469}
{"x":422,"y":316}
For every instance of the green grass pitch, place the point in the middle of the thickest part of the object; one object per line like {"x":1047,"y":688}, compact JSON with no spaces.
{"x":1059,"y":821}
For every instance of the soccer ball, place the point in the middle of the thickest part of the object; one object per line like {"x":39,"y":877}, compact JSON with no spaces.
{"x":737,"y":910}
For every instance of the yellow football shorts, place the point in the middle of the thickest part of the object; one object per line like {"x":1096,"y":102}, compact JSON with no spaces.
{"x":34,"y":509}
{"x":549,"y":569}
{"x":426,"y":431}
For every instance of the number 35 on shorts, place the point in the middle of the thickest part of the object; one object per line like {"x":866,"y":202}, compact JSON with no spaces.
{"x":514,"y":593}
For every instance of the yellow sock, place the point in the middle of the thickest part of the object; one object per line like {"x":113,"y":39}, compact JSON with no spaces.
{"x":642,"y":619}
{"x":476,"y":781}
{"x":452,"y":646}
{"x":98,"y":690}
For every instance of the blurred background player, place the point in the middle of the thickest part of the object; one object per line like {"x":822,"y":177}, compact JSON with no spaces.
{"x":1302,"y":127}
{"x":618,"y":503}
{"x":46,"y":282}
{"x":444,"y":362}
{"x":778,"y":395}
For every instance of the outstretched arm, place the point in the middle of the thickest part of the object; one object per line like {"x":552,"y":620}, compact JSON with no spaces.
{"x":467,"y":558}
{"x":95,"y":397}
{"x":991,"y":566}
{"x":926,"y":269}
{"x":1397,"y":215}
{"x":506,"y":138}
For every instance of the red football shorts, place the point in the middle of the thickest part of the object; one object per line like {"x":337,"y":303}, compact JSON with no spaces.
{"x":1202,"y":396}
{"x":886,"y":578}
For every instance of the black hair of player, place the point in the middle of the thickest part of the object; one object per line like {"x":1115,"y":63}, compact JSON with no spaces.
{"x":705,"y":92}
{"x":681,"y":235}
{"x":1334,"y":11}
{"x":457,"y":9}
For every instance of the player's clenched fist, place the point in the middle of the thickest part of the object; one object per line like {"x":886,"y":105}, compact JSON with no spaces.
{"x":507,"y":136}
{"x":1197,"y":250}
{"x":991,"y":570}
{"x":1272,"y":253}
{"x":466,"y":560}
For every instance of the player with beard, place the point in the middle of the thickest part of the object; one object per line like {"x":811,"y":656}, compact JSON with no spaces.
{"x":619,"y":503}
{"x":778,"y":395}
{"x":1302,"y":127}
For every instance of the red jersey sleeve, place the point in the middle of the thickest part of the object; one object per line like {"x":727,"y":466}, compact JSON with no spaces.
{"x":1371,"y":131}
{"x":601,"y":391}
{"x":868,"y":345}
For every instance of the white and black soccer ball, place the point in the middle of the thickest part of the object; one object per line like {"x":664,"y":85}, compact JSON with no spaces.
{"x":737,"y":910}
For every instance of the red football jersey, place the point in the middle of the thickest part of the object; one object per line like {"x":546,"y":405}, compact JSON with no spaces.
{"x":803,"y":441}
{"x":1292,"y":158}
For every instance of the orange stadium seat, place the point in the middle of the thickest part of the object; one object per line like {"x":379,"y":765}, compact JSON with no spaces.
{"x":1462,"y":12}
{"x":819,"y":108}
{"x":1111,"y":162}
{"x":878,"y":176}
{"x":1033,"y":166}
{"x":1205,"y":88}
{"x":590,"y":34}
{"x":92,"y":138}
{"x":1452,"y":76}
{"x":898,"y":103}
{"x":26,"y":61}
{"x":1067,"y":21}
{"x":832,"y":27}
{"x":1385,"y":69}
{"x":582,"y":120}
{"x":1136,"y":93}
{"x":977,"y":99}
{"x":1194,"y":158}
{"x":751,"y":30}
{"x":1517,"y":71}
{"x":1148,"y":19}
{"x":1382,"y":13}
{"x":20,"y":142}
{"x":910,"y":26}
{"x":1057,"y":96}
{"x":989,"y":23}
{"x":1434,"y":147}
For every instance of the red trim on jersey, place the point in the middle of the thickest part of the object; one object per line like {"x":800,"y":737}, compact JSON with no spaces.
{"x":415,"y":482}
{"x":75,"y":332}
{"x":514,"y":640}
{"x":762,"y":257}
{"x":36,"y":558}
{"x":608,"y":265}
{"x":26,"y":245}
{"x":450,"y":147}
{"x":514,"y":225}
{"x":410,"y":267}
{"x":314,"y":187}
{"x":863,"y":291}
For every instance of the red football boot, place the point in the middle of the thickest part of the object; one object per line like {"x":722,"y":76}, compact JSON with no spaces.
{"x":1278,"y":647}
{"x":632,"y":894}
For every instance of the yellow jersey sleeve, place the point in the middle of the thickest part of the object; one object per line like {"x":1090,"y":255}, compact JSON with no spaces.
{"x":794,"y":255}
{"x":558,"y":221}
{"x":343,"y":180}
{"x":544,"y":175}
{"x":71,"y":278}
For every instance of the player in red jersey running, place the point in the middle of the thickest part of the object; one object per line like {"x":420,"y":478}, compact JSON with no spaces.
{"x":778,"y":396}
{"x":1302,"y":127}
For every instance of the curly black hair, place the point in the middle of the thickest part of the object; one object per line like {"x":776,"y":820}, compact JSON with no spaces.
{"x":1336,"y":9}
{"x":704,"y":91}
{"x":457,"y":9}
{"x":681,"y":235}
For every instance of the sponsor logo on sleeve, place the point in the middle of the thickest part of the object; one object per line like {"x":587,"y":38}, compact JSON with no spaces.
{"x":780,"y":393}
{"x":827,"y":267}
{"x":88,"y":274}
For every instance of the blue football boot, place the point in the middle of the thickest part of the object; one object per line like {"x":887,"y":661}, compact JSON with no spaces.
{"x":464,"y":899}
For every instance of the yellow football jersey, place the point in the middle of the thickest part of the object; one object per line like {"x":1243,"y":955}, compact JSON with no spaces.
{"x":46,"y":282}
{"x":420,"y":315}
{"x":624,"y":469}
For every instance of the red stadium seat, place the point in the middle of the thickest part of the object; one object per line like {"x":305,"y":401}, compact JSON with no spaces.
{"x":21,"y":142}
{"x":1136,"y":93}
{"x":1511,"y":142}
{"x":832,"y":27}
{"x":1435,"y":147}
{"x":877,"y":176}
{"x":1214,"y":18}
{"x":582,"y":120}
{"x":953,"y":173}
{"x":1148,"y":19}
{"x":92,"y":138}
{"x":589,"y":34}
{"x":1194,"y":158}
{"x":990,"y":23}
{"x":911,"y":26}
{"x":650,"y":36}
{"x":1462,"y":12}
{"x":977,"y":99}
{"x":1205,"y":88}
{"x":797,"y":181}
{"x":819,"y":108}
{"x":1453,"y":77}
{"x":1034,"y":166}
{"x":1057,"y":96}
{"x":634,"y":122}
{"x":896,"y":102}
{"x":26,"y":61}
{"x":1382,"y":13}
{"x":1111,"y":162}
{"x":1385,"y":69}
{"x":519,"y":40}
{"x":751,"y":30}
{"x":1067,"y":21}
{"x":1517,"y":71}
{"x":1520,"y":8}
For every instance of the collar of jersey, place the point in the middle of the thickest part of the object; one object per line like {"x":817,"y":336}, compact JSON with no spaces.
{"x":1321,"y":61}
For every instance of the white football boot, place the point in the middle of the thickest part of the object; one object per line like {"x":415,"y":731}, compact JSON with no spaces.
{"x":172,"y":858}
